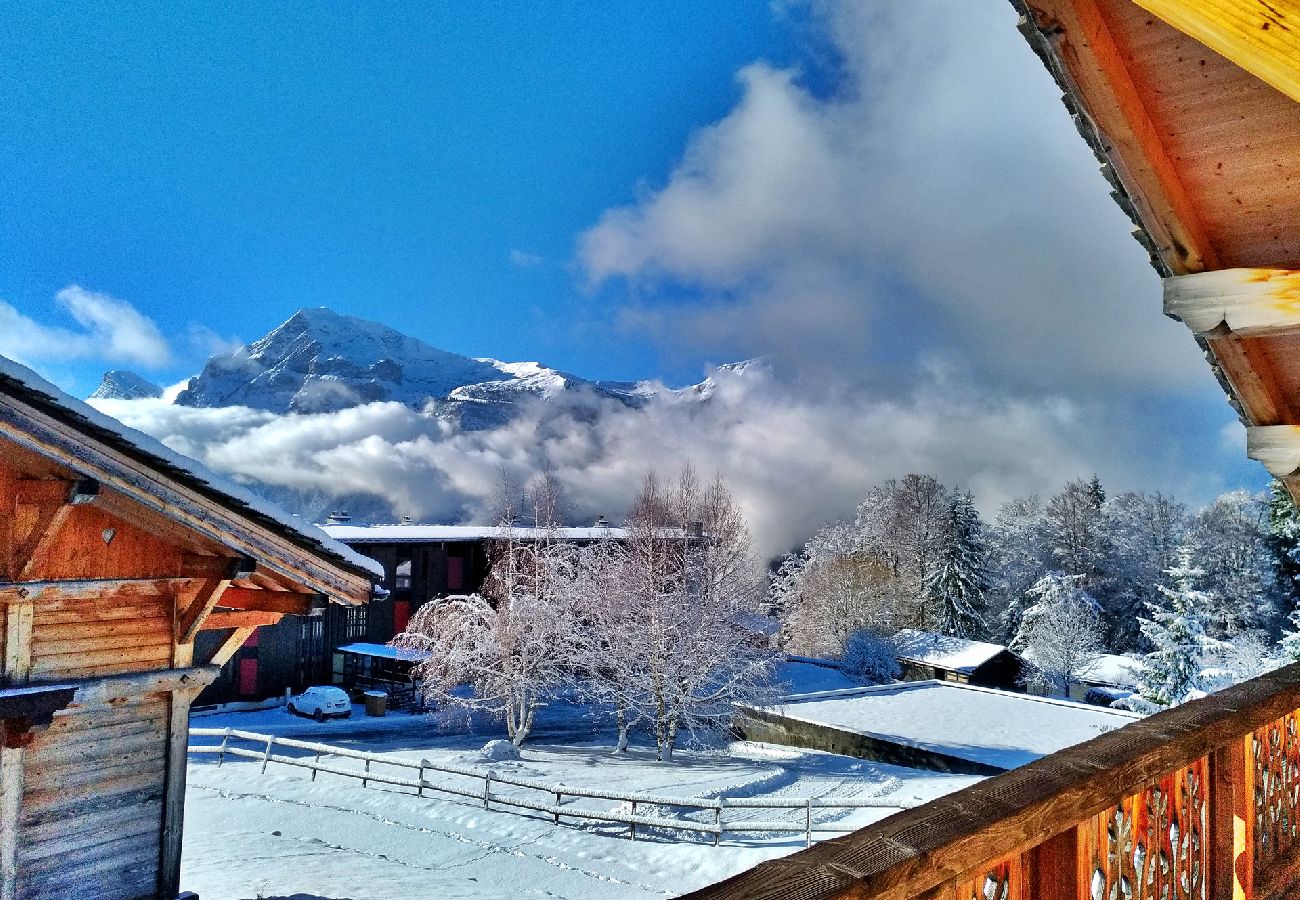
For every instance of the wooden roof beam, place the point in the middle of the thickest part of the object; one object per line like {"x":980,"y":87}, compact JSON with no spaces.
{"x":239,"y":618}
{"x":1260,"y":36}
{"x":1244,"y":302}
{"x":1084,"y":56}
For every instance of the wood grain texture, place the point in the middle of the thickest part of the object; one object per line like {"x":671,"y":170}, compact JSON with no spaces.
{"x":1242,"y":301}
{"x":1260,"y":36}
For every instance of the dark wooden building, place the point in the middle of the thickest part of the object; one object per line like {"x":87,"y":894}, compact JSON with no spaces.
{"x":420,"y":563}
{"x":115,"y":555}
{"x":926,"y":655}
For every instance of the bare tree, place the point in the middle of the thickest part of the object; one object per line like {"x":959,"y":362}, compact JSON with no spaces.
{"x":1061,"y":631}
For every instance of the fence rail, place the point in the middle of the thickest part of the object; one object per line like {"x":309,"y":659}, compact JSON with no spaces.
{"x":555,"y":793}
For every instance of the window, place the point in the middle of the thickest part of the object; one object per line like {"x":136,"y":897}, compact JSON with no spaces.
{"x":402,"y":577}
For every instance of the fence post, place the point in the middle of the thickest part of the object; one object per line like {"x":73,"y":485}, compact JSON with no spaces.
{"x":266,"y":757}
{"x":1231,"y":803}
{"x":557,"y":807}
{"x":717,"y":820}
{"x":632,"y":825}
{"x":420,"y":790}
{"x":314,"y":765}
{"x":807,"y":840}
{"x":487,"y":785}
{"x":221,"y":757}
{"x":363,"y":780}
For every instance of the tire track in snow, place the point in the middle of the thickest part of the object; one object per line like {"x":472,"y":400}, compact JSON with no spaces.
{"x":490,"y":847}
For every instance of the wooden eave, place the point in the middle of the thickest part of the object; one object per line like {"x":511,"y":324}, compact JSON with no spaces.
{"x":1205,"y":158}
{"x":173,"y":503}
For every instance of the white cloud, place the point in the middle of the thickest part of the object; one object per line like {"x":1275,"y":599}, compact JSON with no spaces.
{"x":938,"y":199}
{"x":796,"y":455}
{"x":524,"y":260}
{"x":111,"y":329}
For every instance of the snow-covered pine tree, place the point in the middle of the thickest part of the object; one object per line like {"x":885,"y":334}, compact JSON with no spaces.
{"x":954,"y":586}
{"x":1060,"y":632}
{"x":1018,"y":556}
{"x":1172,"y":670}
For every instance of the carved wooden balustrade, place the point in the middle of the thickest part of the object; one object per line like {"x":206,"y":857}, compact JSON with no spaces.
{"x":1197,"y":803}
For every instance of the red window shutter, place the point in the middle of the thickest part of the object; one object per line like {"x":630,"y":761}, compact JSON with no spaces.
{"x":401,"y":615}
{"x":248,"y":676}
{"x":455,"y":573}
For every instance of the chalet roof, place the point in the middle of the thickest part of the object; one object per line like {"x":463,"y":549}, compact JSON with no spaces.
{"x":25,"y":385}
{"x":1202,"y":148}
{"x":943,"y":650}
{"x":435,"y":534}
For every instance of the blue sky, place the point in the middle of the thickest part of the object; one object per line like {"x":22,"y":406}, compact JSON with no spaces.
{"x":889,"y":205}
{"x":225,"y":164}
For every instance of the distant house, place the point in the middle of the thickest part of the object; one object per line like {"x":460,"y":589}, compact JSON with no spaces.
{"x":927,"y":655}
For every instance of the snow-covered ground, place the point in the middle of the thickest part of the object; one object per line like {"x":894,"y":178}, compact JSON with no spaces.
{"x":281,"y":835}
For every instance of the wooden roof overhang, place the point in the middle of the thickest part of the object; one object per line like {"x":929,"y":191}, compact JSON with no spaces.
{"x":1202,"y":148}
{"x":240,"y":566}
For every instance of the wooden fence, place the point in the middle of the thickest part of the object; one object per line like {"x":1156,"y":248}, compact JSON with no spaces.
{"x":381,"y":769}
{"x":1198,"y":803}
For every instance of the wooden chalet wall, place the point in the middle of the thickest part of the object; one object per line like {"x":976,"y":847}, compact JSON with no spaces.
{"x":109,"y":569}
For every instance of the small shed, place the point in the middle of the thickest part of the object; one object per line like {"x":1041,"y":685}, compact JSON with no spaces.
{"x":115,"y":553}
{"x":365,"y":666}
{"x":926,"y":655}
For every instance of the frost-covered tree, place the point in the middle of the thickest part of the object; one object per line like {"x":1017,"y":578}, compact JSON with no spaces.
{"x":833,"y":588}
{"x":956,"y":582}
{"x":902,"y":523}
{"x":870,"y":658}
{"x":1145,"y":532}
{"x":1076,"y":533}
{"x":691,"y":580}
{"x":1229,"y":541}
{"x":1060,"y":632}
{"x":1176,"y":630}
{"x":1018,"y":556}
{"x":1284,"y":528}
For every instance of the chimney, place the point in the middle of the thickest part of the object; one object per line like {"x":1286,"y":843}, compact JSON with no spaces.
{"x":601,"y":522}
{"x":408,"y":520}
{"x":338,"y":517}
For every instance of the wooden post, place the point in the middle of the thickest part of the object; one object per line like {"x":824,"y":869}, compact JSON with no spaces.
{"x":632,"y":825}
{"x":221,"y":757}
{"x":487,"y":786}
{"x":315,"y":764}
{"x":807,"y":841}
{"x":18,"y":642}
{"x":363,"y":780}
{"x":420,"y":791}
{"x":1053,"y":869}
{"x":266,"y":757}
{"x":173,"y":817}
{"x":557,"y":807}
{"x":11,"y":796}
{"x":717,"y":820}
{"x":1232,"y":821}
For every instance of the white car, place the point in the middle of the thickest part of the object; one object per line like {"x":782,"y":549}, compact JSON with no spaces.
{"x":322,"y":703}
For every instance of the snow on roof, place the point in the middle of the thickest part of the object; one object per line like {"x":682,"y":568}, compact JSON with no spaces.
{"x":397,"y":534}
{"x":944,"y":651}
{"x":1114,"y":670}
{"x":997,"y":728}
{"x":198,"y":476}
{"x":386,"y":652}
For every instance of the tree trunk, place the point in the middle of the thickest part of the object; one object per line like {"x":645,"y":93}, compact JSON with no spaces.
{"x":621,"y":718}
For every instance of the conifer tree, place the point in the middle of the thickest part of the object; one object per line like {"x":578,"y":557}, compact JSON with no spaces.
{"x":1172,"y":670}
{"x":955,"y":585}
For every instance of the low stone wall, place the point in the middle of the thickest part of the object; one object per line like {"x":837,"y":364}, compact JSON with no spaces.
{"x":768,"y":727}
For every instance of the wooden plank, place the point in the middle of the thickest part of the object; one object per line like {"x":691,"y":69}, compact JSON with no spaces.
{"x":288,"y":602}
{"x":68,"y":743}
{"x":1094,"y":68}
{"x":87,"y":590}
{"x":18,"y":643}
{"x":34,"y":556}
{"x":1242,"y":301}
{"x":1053,"y":868}
{"x":94,"y":844}
{"x":11,"y":795}
{"x":1276,"y":446}
{"x":1261,"y":36}
{"x":130,"y":876}
{"x":101,"y":662}
{"x":240,"y":619}
{"x":230,"y":645}
{"x":73,"y":774}
{"x":99,"y":613}
{"x":62,"y":807}
{"x":88,"y":829}
{"x":126,"y":643}
{"x":67,"y":631}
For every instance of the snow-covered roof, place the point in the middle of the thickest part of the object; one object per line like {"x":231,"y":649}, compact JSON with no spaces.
{"x":943,"y":650}
{"x":1111,"y":669}
{"x":997,"y":728}
{"x":397,"y":534}
{"x":384,"y":651}
{"x":29,"y":386}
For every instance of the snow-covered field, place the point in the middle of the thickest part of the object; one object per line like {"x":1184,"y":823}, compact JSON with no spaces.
{"x":281,"y":835}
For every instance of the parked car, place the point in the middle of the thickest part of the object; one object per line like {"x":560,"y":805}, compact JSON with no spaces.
{"x":322,"y":703}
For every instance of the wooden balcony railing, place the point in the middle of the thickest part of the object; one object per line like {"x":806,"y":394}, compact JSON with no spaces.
{"x":1201,"y":802}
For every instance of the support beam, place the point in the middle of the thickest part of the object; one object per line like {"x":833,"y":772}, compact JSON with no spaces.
{"x":1243,"y":302}
{"x":1260,"y":36}
{"x":1088,"y":57}
{"x":11,"y":796}
{"x":242,"y":618}
{"x":18,"y":643}
{"x":173,"y":819}
{"x":230,"y":645}
{"x":269,"y":601}
{"x":1277,"y":447}
{"x":189,"y":619}
{"x":197,"y":565}
{"x":52,"y":591}
{"x":52,"y":501}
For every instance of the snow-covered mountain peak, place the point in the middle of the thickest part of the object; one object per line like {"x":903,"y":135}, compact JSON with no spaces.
{"x":121,"y":384}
